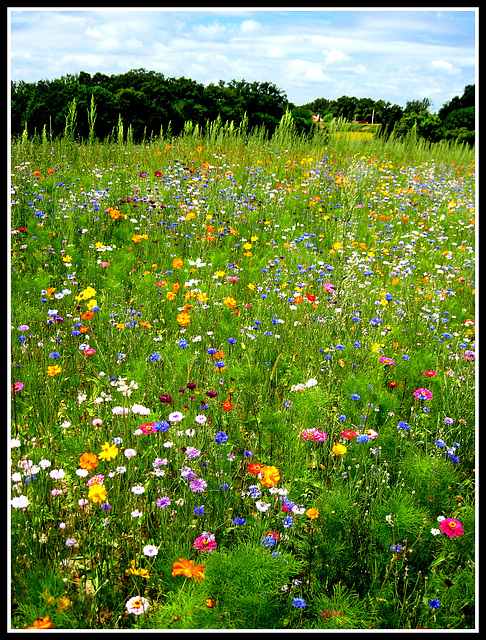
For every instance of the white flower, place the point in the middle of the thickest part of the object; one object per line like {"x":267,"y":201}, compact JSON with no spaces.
{"x":175,"y":416}
{"x":20,"y":502}
{"x":57,"y":474}
{"x":435,"y":532}
{"x":262,"y":506}
{"x":150,"y":550}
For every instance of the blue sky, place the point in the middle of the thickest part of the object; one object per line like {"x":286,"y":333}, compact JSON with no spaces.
{"x":394,"y":54}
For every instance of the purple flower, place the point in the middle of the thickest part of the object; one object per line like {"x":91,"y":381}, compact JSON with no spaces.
{"x":163,"y":502}
{"x":198,"y":485}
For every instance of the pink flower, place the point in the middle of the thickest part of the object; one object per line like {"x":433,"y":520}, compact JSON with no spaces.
{"x":328,"y":286}
{"x":313,"y":434}
{"x":387,"y":361}
{"x":422,"y":394}
{"x":206,"y":542}
{"x":451,"y":527}
{"x":430,"y":373}
{"x":89,"y":352}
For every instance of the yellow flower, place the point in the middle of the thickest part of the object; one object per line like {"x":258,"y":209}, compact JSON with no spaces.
{"x":53,"y":370}
{"x":312,"y":513}
{"x":230,"y":302}
{"x":337,"y":245}
{"x":109,"y":451}
{"x":97,"y":493}
{"x":339,"y":449}
{"x":177,"y":263}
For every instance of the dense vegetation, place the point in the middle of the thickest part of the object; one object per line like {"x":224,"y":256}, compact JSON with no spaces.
{"x":243,"y":379}
{"x":148,"y":102}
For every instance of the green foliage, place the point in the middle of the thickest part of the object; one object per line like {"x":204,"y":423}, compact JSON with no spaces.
{"x":110,"y":242}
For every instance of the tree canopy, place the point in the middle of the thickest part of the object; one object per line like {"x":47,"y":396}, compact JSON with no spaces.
{"x":148,"y":103}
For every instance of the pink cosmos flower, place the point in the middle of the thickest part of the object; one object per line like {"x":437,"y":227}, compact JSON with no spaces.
{"x":451,"y":527}
{"x":422,"y":394}
{"x":328,"y":286}
{"x":387,"y":361}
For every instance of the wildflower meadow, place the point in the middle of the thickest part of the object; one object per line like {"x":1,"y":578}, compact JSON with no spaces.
{"x":242,"y":382}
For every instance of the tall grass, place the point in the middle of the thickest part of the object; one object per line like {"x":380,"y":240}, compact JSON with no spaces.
{"x":219,"y":341}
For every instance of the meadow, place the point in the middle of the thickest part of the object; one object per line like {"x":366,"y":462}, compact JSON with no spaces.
{"x":242,"y":384}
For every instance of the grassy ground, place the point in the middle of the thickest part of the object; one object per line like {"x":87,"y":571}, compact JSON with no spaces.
{"x":243,"y":383}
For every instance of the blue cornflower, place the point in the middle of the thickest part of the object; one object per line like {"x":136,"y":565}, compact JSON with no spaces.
{"x":364,"y":437}
{"x":239,"y":521}
{"x":268,"y":541}
{"x":155,"y":356}
{"x":182,"y":343}
{"x":440,"y":443}
{"x":355,"y":396}
{"x":403,"y":425}
{"x":220,"y":437}
{"x":199,"y":511}
{"x":299,"y":603}
{"x":397,"y":548}
{"x":54,"y":355}
{"x":254,"y":491}
{"x":224,"y":486}
{"x":232,"y":340}
{"x":288,"y":521}
{"x":434,"y":603}
{"x":161,"y":425}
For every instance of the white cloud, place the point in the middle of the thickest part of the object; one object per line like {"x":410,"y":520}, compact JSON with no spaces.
{"x":250,"y":26}
{"x":333,"y":56}
{"x":443,"y":65}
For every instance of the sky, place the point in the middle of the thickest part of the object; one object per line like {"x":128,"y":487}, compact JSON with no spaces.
{"x":395,"y":55}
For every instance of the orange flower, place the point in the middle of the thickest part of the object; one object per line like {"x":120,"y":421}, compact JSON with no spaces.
{"x":227,"y":404}
{"x":41,"y":623}
{"x":88,"y":461}
{"x":312,"y":513}
{"x":177,"y":263}
{"x":269,"y":475}
{"x":219,"y":355}
{"x":186,"y":568}
{"x":50,"y":291}
{"x":183,"y":319}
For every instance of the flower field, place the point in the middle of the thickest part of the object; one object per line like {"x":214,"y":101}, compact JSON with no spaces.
{"x":242,"y":384}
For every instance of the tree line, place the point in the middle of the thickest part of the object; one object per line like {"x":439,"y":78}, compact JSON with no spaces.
{"x":87,"y":106}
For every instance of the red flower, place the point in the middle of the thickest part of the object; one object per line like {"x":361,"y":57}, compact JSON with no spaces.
{"x":255,"y":468}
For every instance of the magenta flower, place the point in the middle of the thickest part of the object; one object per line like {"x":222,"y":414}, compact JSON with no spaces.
{"x":206,"y":542}
{"x":422,"y":394}
{"x":313,"y":434}
{"x":451,"y":527}
{"x":329,"y":287}
{"x":387,"y":361}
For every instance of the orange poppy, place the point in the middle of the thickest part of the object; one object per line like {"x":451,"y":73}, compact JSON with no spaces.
{"x":186,"y":568}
